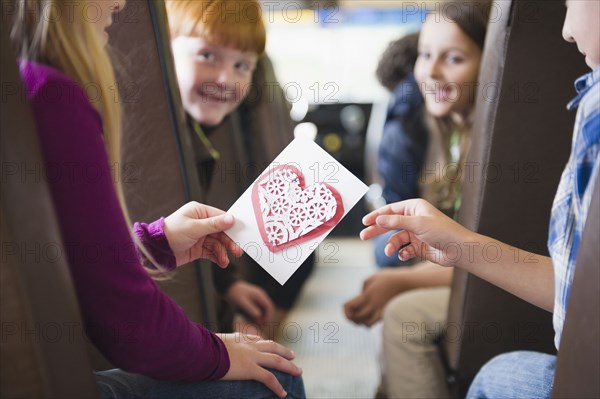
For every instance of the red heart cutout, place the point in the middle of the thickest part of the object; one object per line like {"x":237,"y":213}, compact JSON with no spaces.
{"x":287,"y":213}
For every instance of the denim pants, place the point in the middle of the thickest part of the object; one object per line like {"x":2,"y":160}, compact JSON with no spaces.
{"x":119,"y":384}
{"x":520,"y":374}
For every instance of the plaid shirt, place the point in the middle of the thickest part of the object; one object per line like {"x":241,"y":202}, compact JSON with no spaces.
{"x":574,"y":194}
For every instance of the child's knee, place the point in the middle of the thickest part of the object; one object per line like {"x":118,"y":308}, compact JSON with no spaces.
{"x":293,"y":385}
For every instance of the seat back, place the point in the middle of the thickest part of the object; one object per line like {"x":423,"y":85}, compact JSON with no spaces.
{"x":158,"y":171}
{"x":521,"y":141}
{"x":578,"y":365}
{"x":156,"y":167}
{"x":266,"y":111}
{"x":42,"y":346}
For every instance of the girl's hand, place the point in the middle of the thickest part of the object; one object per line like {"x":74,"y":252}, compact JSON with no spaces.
{"x":253,"y":300}
{"x":249,"y":356}
{"x":196,"y":231}
{"x":425,"y":232}
{"x":378,"y":289}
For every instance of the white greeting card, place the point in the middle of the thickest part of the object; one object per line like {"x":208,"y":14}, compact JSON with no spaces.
{"x":292,"y":206}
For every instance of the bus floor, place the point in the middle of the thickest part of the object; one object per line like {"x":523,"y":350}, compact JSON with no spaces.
{"x":338,"y":358}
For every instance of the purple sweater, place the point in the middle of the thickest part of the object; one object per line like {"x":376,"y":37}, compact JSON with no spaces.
{"x":131,"y":321}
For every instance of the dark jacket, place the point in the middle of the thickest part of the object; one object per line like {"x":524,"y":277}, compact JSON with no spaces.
{"x":403,"y":143}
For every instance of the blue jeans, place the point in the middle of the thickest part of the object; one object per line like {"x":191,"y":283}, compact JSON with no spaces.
{"x":119,"y":384}
{"x":519,"y":374}
{"x":381,"y":259}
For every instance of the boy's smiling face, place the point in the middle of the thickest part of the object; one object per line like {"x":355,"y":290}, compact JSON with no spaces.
{"x":582,"y":26}
{"x":213,"y":79}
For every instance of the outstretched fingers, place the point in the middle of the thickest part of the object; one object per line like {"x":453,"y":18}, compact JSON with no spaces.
{"x":372,"y":231}
{"x":406,"y":244}
{"x":408,"y":252}
{"x":384,"y":223}
{"x":397,"y":241}
{"x":397,"y":208}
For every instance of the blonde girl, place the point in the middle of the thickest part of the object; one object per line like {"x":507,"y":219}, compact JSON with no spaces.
{"x":158,"y":350}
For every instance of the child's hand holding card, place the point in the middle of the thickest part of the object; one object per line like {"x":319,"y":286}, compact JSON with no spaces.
{"x":284,"y":215}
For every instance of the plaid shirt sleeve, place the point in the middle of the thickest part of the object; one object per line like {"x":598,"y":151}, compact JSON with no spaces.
{"x":572,"y":200}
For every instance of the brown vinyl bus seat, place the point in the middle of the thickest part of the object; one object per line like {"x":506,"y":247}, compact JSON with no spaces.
{"x":157,"y":166}
{"x":521,"y":140}
{"x":158,"y":169}
{"x":159,"y":162}
{"x":578,"y":365}
{"x":42,"y":346}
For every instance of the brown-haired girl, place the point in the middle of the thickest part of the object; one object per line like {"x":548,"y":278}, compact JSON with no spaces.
{"x":450,"y":49}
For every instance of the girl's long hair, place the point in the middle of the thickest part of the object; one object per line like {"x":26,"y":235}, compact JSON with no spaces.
{"x":45,"y":31}
{"x":49,"y":32}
